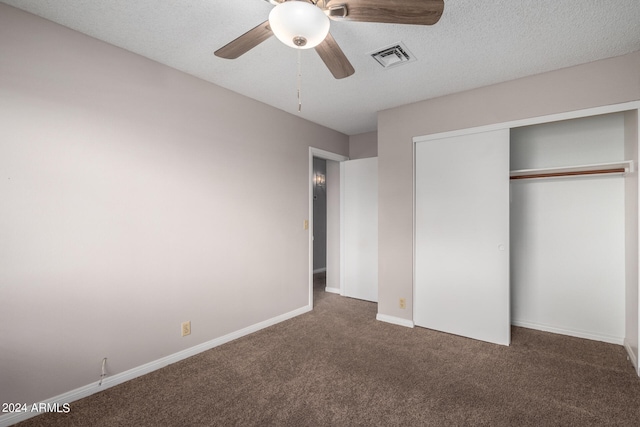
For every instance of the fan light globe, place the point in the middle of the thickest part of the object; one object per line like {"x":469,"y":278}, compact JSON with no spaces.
{"x":299,"y":24}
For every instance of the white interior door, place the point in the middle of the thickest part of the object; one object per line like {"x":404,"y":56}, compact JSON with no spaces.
{"x":360,"y":189}
{"x":462,"y":236}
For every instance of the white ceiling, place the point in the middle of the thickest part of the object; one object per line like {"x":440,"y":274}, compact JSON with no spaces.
{"x":475,"y":43}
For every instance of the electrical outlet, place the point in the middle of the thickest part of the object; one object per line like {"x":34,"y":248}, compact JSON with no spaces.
{"x":305,"y":225}
{"x":186,"y":328}
{"x":403,"y":303}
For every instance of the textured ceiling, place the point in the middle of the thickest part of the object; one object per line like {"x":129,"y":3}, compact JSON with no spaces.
{"x":476,"y":43}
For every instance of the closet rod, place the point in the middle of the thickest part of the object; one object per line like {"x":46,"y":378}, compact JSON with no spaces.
{"x":572,"y":173}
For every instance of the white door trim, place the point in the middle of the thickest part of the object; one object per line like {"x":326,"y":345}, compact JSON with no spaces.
{"x":596,"y":111}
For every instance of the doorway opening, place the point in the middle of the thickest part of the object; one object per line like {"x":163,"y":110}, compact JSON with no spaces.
{"x":324,"y":223}
{"x":319,"y":225}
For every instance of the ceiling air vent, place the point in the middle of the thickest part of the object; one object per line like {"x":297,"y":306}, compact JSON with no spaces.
{"x":392,"y":56}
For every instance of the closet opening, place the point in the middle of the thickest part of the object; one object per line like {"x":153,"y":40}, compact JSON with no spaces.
{"x":568,"y":227}
{"x":531,"y":223}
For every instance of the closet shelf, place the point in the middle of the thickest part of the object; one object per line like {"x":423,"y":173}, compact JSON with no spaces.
{"x":594,"y":169}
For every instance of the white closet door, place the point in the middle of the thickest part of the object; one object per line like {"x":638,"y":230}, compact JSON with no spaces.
{"x":360,"y":186}
{"x":462,"y":236}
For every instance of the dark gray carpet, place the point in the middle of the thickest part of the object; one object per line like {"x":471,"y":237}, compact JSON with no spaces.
{"x":338,"y":366}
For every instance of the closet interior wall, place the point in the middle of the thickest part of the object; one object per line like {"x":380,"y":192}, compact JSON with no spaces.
{"x":567,"y":235}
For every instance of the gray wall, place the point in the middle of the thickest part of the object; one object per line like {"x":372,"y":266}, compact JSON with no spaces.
{"x":605,"y":82}
{"x":136,"y":197}
{"x":363,"y":145}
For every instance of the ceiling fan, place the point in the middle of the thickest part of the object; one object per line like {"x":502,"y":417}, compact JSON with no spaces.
{"x":304,"y":24}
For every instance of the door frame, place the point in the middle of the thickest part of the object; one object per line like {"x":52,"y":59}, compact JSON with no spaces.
{"x":326,"y":155}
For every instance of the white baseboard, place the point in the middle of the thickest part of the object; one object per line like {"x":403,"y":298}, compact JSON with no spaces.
{"x":632,"y":356}
{"x":320,"y":270}
{"x":395,"y":320}
{"x":569,"y":332}
{"x":89,"y":389}
{"x":332,"y":290}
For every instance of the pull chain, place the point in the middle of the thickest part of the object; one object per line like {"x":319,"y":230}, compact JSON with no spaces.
{"x":299,"y":80}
